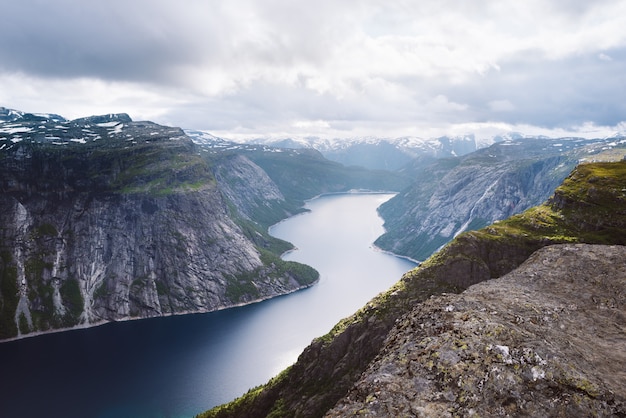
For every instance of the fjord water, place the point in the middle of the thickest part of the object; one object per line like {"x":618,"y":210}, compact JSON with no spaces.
{"x":179,"y":366}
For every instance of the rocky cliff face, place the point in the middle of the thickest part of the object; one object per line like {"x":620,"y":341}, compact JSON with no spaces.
{"x":519,"y":370}
{"x":104,"y":219}
{"x":455,"y":195}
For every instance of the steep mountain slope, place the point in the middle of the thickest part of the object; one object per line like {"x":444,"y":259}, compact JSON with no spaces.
{"x":450,"y":196}
{"x":589,"y":207}
{"x":103,"y":219}
{"x":302,"y":174}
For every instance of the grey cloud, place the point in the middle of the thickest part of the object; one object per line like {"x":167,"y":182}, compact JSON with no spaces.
{"x":119,"y":40}
{"x":265,"y":58}
{"x":548,"y":93}
{"x":526,"y":90}
{"x":151,"y":40}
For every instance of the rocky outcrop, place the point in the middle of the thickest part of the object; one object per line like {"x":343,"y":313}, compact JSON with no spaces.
{"x":456,"y":195}
{"x":106,"y":219}
{"x":329,"y":367}
{"x":544,"y":340}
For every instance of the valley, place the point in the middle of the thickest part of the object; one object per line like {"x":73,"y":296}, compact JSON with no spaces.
{"x":338,"y":371}
{"x":193,"y":362}
{"x":105,"y":219}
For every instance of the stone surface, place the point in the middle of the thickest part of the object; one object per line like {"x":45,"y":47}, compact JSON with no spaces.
{"x":548,"y":339}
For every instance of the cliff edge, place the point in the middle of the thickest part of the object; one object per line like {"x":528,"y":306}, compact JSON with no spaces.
{"x":547,"y":339}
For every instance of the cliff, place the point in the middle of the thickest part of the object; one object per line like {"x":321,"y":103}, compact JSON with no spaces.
{"x":453,"y":195}
{"x":387,"y":337}
{"x":546,"y":339}
{"x":106,"y":219}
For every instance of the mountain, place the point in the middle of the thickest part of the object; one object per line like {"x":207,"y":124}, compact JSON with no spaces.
{"x":394,"y":153}
{"x":481,"y":353}
{"x":372,"y":152}
{"x":542,"y":335}
{"x":303,"y":172}
{"x":452,"y":195}
{"x":11,"y":115}
{"x":106,"y":219}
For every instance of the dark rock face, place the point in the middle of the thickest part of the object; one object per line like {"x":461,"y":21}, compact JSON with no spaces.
{"x":133,"y":255}
{"x":105,"y":219}
{"x":545,"y":340}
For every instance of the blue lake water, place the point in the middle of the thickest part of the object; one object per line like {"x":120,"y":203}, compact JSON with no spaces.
{"x":182,"y":365}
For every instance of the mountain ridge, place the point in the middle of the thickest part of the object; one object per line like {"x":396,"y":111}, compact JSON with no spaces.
{"x":388,"y":153}
{"x":368,"y":152}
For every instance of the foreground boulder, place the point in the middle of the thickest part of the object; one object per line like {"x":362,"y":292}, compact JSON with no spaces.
{"x":545,"y":340}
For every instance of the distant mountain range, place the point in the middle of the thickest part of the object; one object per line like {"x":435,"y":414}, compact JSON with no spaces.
{"x":375,"y":153}
{"x":457,"y":184}
{"x":368,"y":152}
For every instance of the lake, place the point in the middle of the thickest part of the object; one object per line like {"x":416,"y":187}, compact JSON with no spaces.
{"x":182,"y":365}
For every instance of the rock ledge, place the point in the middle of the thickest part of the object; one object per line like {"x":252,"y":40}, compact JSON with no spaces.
{"x":547,"y":339}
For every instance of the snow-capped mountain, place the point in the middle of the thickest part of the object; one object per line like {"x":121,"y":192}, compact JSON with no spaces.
{"x":368,"y":152}
{"x":618,"y":134}
{"x":11,"y":115}
{"x":376,"y":152}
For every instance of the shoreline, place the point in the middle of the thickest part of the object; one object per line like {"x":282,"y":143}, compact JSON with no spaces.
{"x":127,"y":319}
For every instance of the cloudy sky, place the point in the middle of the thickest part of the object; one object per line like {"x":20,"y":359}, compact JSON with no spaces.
{"x":325,"y":67}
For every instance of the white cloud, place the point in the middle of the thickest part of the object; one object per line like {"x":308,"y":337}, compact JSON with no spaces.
{"x":311,"y":124}
{"x":81,"y":97}
{"x":440,"y":103}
